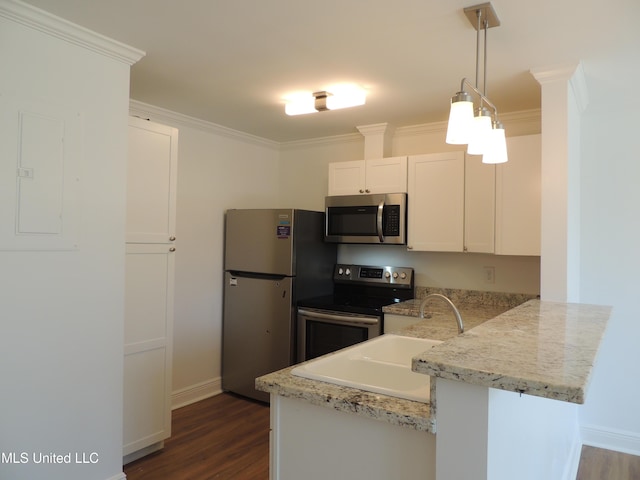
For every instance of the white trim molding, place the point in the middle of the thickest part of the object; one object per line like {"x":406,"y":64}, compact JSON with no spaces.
{"x":162,"y":115}
{"x":45,"y":22}
{"x":194,"y":393}
{"x":611,"y":439}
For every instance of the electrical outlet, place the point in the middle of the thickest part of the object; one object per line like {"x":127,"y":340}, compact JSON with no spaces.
{"x":489,"y":274}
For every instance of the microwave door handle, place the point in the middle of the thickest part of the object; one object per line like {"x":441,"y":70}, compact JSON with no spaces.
{"x":379,"y":221}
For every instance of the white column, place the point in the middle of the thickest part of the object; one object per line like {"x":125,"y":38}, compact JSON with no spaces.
{"x":377,"y":140}
{"x":564,"y":98}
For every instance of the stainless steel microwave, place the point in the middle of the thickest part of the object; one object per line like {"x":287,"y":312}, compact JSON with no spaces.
{"x":372,"y":218}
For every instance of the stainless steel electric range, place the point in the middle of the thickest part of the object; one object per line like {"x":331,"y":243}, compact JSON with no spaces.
{"x":354,"y":312}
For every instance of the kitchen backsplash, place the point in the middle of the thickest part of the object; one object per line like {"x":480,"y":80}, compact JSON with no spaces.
{"x":476,"y":296}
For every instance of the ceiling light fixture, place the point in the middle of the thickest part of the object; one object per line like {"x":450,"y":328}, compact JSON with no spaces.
{"x":339,"y":97}
{"x":484,"y":133}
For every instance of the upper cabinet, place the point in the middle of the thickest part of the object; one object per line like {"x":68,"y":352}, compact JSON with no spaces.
{"x":518,"y":198}
{"x":435,"y":190}
{"x":451,"y":203}
{"x":384,"y":175}
{"x":151,"y":182}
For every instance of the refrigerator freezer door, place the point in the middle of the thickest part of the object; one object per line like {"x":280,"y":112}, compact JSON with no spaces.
{"x":257,"y":331}
{"x":260,"y":241}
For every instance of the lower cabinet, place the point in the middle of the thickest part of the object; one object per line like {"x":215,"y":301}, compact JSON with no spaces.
{"x":147,"y":348}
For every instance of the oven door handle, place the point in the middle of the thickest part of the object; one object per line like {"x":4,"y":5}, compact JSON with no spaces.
{"x":379,"y":221}
{"x":338,"y":318}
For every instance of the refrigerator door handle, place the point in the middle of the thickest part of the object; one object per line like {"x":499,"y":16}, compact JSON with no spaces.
{"x":262,"y":276}
{"x":379,"y":221}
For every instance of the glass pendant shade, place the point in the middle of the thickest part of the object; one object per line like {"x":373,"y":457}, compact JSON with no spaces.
{"x":480,"y":132}
{"x":460,"y":119}
{"x":496,"y":146}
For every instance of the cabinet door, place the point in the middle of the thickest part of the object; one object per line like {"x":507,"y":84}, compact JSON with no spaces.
{"x":386,"y":175}
{"x":148,"y":329}
{"x":347,"y":178}
{"x":151,"y":182}
{"x":518,"y":197}
{"x":436,"y":202}
{"x":479,"y":205}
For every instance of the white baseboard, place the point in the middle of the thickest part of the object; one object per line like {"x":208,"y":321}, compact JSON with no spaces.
{"x":573,"y":463}
{"x":611,"y":439}
{"x":193,"y":393}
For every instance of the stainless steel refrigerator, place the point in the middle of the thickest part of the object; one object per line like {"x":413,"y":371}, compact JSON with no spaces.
{"x":273,"y":258}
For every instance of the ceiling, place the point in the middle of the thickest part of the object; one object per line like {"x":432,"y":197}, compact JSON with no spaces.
{"x":231,"y":62}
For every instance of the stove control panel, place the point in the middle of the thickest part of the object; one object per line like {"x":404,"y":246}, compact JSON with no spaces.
{"x":383,"y":275}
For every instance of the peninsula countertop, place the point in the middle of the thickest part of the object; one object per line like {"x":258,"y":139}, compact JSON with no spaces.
{"x":545,"y":349}
{"x":538,"y":348}
{"x":439,"y":324}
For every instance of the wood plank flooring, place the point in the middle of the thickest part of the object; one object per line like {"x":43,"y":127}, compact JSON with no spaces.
{"x":227,"y":437}
{"x":222,"y":437}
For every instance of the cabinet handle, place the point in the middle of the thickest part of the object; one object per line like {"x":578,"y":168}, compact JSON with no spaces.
{"x":368,"y":191}
{"x":361,"y":191}
{"x":172,"y":249}
{"x":409,"y":247}
{"x":172,"y":239}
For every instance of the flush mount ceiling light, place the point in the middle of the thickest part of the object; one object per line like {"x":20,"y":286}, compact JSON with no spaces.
{"x":483,"y":133}
{"x":338,"y":97}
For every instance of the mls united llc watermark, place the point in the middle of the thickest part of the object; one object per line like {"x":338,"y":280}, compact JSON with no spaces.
{"x":49,"y":458}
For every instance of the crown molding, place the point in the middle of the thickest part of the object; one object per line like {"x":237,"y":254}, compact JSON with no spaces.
{"x":320,"y":141}
{"x":151,"y":112}
{"x":49,"y":24}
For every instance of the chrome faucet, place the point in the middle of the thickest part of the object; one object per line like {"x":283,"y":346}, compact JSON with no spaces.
{"x":448,"y":302}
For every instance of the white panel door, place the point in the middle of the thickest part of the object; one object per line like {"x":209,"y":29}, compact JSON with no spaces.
{"x":436,"y":202}
{"x":518,"y":198}
{"x":386,"y":175}
{"x":151,"y":182}
{"x":347,"y":178}
{"x":479,"y":205}
{"x":147,"y":344}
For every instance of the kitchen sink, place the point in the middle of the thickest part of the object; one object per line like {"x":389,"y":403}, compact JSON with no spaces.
{"x":380,"y":365}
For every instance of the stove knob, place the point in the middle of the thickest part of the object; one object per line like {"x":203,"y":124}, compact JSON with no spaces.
{"x":340,"y":271}
{"x":403,"y":275}
{"x":395,"y":274}
{"x":387,"y":275}
{"x":348,"y":272}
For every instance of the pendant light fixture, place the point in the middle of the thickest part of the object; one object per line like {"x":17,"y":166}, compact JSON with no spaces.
{"x":478,"y":128}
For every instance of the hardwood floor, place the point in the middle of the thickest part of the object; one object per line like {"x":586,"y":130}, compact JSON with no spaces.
{"x":223,"y":437}
{"x":227,"y":437}
{"x":600,"y":464}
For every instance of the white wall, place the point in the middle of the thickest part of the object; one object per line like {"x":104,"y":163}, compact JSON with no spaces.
{"x":218,"y":169}
{"x":610,"y":265}
{"x":62,"y":312}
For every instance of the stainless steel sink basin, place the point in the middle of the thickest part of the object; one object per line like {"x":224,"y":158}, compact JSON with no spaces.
{"x":381,"y":365}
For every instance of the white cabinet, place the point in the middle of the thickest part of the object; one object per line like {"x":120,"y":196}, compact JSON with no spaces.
{"x":384,"y":175}
{"x":518,"y":197}
{"x":479,"y":205}
{"x":149,"y":287}
{"x":435,"y":190}
{"x":151,"y":182}
{"x":451,"y":203}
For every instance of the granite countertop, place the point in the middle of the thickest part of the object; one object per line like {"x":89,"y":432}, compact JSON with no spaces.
{"x":545,"y":349}
{"x":540,"y":348}
{"x":440,"y":324}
